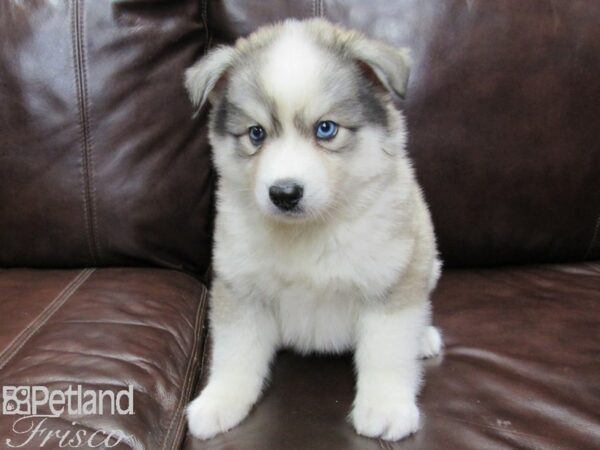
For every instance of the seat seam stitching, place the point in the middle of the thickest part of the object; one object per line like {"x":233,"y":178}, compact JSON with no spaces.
{"x":54,"y":300}
{"x":90,"y":141}
{"x":27,"y":334}
{"x":74,"y":7}
{"x":191,"y":365}
{"x":87,"y":162}
{"x":191,"y":384}
{"x":187,"y":381}
{"x":317,"y":9}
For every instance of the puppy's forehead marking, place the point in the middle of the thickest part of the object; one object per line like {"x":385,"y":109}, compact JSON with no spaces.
{"x":292,"y":70}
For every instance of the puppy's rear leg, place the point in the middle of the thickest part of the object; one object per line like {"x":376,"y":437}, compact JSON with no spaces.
{"x":244,"y":337}
{"x":431,"y":342}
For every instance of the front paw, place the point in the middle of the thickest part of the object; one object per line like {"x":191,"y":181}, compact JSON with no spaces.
{"x":213,"y":413}
{"x":385,"y":419}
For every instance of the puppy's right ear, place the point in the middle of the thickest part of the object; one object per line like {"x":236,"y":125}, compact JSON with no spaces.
{"x":202,"y":79}
{"x":389,"y":65}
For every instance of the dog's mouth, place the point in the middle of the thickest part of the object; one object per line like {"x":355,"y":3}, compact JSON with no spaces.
{"x":295,"y":214}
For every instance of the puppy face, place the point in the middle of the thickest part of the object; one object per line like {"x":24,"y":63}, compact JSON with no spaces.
{"x":302,"y":124}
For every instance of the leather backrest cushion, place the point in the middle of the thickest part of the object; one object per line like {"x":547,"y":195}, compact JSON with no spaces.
{"x":101,"y":162}
{"x":503,"y":111}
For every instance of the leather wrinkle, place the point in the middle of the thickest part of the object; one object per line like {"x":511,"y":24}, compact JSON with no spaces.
{"x":87,"y":163}
{"x":27,"y":333}
{"x":486,"y":426}
{"x":383,"y":444}
{"x":153,"y":327}
{"x":150,"y":363}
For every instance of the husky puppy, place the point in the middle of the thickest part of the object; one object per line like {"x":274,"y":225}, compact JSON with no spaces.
{"x":323,"y":240}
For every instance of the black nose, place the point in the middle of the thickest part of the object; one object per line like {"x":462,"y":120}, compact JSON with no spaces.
{"x":286,"y":194}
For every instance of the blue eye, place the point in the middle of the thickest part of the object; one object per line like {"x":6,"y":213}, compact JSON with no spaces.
{"x":326,"y":130}
{"x":257,"y":134}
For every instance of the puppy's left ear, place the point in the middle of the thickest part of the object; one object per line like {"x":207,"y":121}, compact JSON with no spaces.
{"x":202,"y":80}
{"x":391,"y":66}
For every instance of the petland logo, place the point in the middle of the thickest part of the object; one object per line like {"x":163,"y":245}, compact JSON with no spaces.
{"x":36,"y":406}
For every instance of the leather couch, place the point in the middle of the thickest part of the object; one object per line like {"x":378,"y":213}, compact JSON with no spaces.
{"x":106,"y":207}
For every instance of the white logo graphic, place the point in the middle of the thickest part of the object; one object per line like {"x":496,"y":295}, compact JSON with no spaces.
{"x":16,"y":400}
{"x":35,"y":405}
{"x":35,"y":400}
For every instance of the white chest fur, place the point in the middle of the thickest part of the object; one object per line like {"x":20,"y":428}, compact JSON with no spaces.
{"x":314,"y":280}
{"x":316,"y":321}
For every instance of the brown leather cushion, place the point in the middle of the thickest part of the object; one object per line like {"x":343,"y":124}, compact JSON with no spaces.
{"x":520,"y":370}
{"x":104,"y":329}
{"x":100,"y":160}
{"x":502,"y":112}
